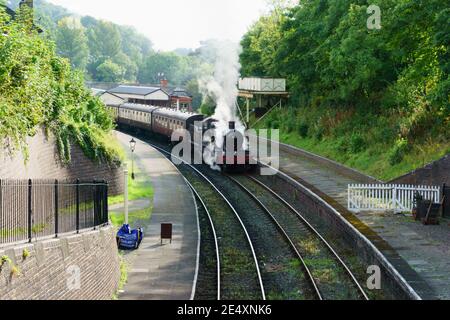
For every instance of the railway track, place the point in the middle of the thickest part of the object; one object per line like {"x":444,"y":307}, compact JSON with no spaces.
{"x":239,"y":276}
{"x":285,"y":273}
{"x":208,"y":282}
{"x":330,"y":273}
{"x":295,"y":262}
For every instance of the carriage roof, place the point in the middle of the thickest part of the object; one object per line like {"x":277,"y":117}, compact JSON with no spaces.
{"x":139,"y":107}
{"x":178,"y":115}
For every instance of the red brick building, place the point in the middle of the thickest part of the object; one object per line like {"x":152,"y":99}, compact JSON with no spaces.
{"x":180,"y":99}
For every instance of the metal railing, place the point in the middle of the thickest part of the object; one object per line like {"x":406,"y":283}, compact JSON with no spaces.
{"x":36,"y":209}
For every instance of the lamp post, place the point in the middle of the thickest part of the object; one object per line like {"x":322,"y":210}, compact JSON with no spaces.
{"x":133,"y":148}
{"x":125,"y":194}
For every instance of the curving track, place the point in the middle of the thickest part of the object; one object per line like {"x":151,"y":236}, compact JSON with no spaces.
{"x":330,"y":274}
{"x":239,"y":276}
{"x":240,"y":263}
{"x":285,"y":275}
{"x":207,"y":286}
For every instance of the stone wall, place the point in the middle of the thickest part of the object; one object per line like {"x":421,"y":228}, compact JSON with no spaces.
{"x":44,"y":163}
{"x":436,"y":173}
{"x":333,"y":222}
{"x":50,"y":272}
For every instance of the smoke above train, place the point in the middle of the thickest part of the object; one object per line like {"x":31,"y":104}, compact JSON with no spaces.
{"x":221,"y":88}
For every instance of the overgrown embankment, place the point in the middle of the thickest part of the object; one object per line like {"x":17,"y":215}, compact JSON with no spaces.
{"x":39,"y":89}
{"x":366,"y":142}
{"x":374,"y":97}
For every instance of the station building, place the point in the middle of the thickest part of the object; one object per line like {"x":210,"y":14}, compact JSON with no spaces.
{"x":180,"y":99}
{"x":111,"y":99}
{"x":153,"y":96}
{"x":159,"y":96}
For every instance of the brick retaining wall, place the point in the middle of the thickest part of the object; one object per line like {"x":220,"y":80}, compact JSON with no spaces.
{"x":45,"y":164}
{"x":45,"y":273}
{"x":436,"y":173}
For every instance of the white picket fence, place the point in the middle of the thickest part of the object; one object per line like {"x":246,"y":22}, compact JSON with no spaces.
{"x":388,"y":197}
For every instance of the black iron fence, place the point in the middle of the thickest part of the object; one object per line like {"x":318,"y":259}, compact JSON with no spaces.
{"x":34,"y":209}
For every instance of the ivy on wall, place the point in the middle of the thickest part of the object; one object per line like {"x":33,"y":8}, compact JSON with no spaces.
{"x":39,"y":89}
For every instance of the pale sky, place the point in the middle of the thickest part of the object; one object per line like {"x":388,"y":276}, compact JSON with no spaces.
{"x":172,"y":24}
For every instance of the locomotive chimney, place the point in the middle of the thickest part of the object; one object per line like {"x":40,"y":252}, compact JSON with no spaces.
{"x":232,"y":125}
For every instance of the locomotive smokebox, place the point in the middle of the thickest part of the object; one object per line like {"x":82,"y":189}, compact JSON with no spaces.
{"x":232,"y":125}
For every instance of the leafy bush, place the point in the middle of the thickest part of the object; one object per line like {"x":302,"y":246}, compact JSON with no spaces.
{"x":357,"y":143}
{"x":303,"y":129}
{"x":273,"y":121}
{"x":275,"y":124}
{"x":341,"y":145}
{"x":398,"y":152}
{"x":208,"y":106}
{"x":386,"y":134}
{"x":289,"y":125}
{"x":319,"y":132}
{"x":109,"y":71}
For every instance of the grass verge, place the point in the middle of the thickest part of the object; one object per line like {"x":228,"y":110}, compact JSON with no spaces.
{"x":133,"y":217}
{"x":141,"y":188}
{"x":124,"y":267}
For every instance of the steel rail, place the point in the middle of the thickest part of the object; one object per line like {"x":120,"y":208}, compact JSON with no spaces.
{"x":285,"y":235}
{"x":258,"y":271}
{"x":216,"y":243}
{"x":317,"y":233}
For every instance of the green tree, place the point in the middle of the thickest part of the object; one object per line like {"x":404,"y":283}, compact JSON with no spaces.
{"x":104,"y":40}
{"x":193,"y":88}
{"x":260,"y":45}
{"x":109,"y":71}
{"x":352,"y":84}
{"x":130,"y":68}
{"x":72,"y":43}
{"x":134,"y":45}
{"x":208,"y":107}
{"x":162,"y":62}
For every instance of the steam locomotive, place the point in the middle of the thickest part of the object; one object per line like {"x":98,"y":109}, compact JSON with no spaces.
{"x":164,"y":122}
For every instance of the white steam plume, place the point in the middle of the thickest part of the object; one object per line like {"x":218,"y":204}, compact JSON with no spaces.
{"x":221,"y":87}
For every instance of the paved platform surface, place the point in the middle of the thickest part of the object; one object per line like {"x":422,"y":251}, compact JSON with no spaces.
{"x":163,"y":272}
{"x":425,"y":249}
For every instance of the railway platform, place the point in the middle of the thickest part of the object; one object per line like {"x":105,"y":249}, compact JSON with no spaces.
{"x":168,"y":271}
{"x":420,"y":253}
